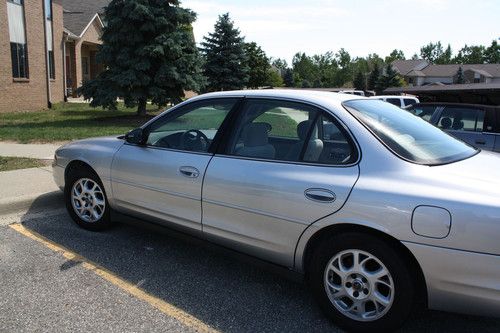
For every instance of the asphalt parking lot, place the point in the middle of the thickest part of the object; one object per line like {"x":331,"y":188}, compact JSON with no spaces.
{"x":59,"y":278}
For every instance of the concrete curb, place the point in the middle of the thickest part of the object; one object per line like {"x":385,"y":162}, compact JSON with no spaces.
{"x":31,"y":202}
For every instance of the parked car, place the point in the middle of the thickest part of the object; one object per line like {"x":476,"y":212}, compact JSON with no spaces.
{"x":399,"y":101}
{"x":478,"y":125}
{"x":380,"y":210}
{"x":353,"y":92}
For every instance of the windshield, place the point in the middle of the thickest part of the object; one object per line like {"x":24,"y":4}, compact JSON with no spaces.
{"x":408,"y":136}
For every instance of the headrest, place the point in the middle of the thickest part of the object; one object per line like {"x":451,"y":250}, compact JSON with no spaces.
{"x":302,"y":129}
{"x":445,"y":123}
{"x":255,"y":134}
{"x":457,"y":124}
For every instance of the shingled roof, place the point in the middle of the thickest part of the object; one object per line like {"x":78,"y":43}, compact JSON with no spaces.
{"x":403,"y":67}
{"x":489,"y":70}
{"x":77,"y":14}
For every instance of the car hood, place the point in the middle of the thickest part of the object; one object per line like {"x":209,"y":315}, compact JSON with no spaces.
{"x":104,"y":141}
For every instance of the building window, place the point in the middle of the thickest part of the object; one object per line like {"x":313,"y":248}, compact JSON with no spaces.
{"x":52,"y":73}
{"x":85,"y":65}
{"x":17,"y":34}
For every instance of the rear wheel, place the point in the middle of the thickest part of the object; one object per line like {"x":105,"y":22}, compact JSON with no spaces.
{"x":86,"y":200}
{"x":361,"y":283}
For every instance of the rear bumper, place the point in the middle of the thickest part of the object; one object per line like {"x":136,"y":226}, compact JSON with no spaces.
{"x":460,"y":281}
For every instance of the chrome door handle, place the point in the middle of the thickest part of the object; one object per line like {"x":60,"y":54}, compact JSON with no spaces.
{"x":188,"y":171}
{"x":320,"y":195}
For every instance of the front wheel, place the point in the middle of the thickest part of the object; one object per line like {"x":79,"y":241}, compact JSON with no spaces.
{"x":361,"y":283}
{"x":86,"y":200}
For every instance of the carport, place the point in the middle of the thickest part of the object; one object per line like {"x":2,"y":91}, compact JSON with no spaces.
{"x":475,"y":93}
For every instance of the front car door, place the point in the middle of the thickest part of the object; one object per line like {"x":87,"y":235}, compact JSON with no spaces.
{"x":162,"y":178}
{"x":469,"y":124}
{"x":284,"y":166}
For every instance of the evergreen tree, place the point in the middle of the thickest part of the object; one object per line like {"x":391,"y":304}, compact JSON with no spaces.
{"x":460,"y":75}
{"x":359,"y":81}
{"x":225,"y":60}
{"x":149,"y":51}
{"x":258,"y":65}
{"x":389,"y":79}
{"x":288,"y":78}
{"x":373,"y":78}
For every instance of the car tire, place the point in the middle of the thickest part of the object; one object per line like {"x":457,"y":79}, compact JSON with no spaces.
{"x":375,"y":295}
{"x":86,"y":200}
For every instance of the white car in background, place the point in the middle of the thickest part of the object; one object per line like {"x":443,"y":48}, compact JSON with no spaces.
{"x":399,"y":101}
{"x":353,"y":92}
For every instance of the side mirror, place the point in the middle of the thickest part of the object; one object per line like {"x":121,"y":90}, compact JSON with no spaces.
{"x":135,"y":136}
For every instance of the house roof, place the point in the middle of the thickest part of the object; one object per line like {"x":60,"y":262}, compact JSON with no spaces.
{"x":489,"y":70}
{"x":405,"y":66}
{"x":471,"y":87}
{"x":77,"y":14}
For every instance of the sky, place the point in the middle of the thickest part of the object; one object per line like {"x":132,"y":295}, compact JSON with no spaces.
{"x":283,"y":28}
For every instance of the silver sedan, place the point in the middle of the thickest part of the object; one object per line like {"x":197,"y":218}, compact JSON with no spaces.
{"x":380,"y":211}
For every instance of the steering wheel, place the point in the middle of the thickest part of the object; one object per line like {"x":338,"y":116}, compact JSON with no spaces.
{"x":194,"y":140}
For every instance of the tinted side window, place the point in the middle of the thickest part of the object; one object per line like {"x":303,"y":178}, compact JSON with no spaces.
{"x":461,"y":119}
{"x":409,"y":101}
{"x":394,"y":101}
{"x":191,"y":128}
{"x":271,"y":129}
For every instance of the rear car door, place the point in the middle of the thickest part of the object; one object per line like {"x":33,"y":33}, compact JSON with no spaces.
{"x":468,"y":124}
{"x":162,"y":178}
{"x":260,"y":194}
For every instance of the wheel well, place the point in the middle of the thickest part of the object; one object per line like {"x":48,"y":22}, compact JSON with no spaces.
{"x":75,"y":165}
{"x":415,"y":268}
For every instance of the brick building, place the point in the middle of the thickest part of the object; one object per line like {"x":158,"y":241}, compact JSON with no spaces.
{"x":31,"y":48}
{"x":47,"y":49}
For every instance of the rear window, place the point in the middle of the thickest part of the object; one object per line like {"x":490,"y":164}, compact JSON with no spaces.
{"x":461,"y":119}
{"x":409,"y":137}
{"x":425,"y":112}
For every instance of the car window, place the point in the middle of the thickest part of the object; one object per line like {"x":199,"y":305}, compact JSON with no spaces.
{"x":271,"y":129}
{"x":394,"y":101}
{"x":423,"y":111}
{"x":192,"y":127}
{"x":329,"y":143}
{"x":409,"y":137}
{"x":409,"y":101}
{"x":461,"y":119}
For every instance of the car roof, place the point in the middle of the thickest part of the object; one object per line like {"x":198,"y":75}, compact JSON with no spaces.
{"x":393,"y":96}
{"x":319,"y":97}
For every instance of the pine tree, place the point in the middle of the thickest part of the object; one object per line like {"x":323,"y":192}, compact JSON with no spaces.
{"x":225,"y":61}
{"x":288,"y":78}
{"x":389,"y":79}
{"x":460,"y":75}
{"x":258,"y":65}
{"x":359,"y":81}
{"x":373,"y":78}
{"x":149,"y":52}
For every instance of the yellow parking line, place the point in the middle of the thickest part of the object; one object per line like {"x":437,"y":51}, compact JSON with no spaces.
{"x":169,"y":309}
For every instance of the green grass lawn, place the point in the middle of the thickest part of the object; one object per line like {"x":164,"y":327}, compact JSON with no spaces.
{"x":13,"y":163}
{"x":69,"y":121}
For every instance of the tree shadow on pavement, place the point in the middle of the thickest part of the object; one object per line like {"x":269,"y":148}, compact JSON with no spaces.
{"x":229,"y":292}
